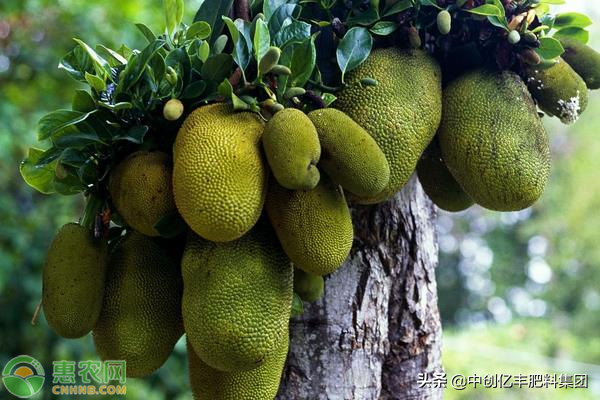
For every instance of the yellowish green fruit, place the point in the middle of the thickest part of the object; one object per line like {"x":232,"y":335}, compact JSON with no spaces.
{"x":140,"y":320}
{"x":292,"y":148}
{"x":558,"y":90}
{"x":173,"y":110}
{"x":219,"y":179}
{"x":237,"y":299}
{"x":261,"y":383}
{"x":308,"y":286}
{"x":402,"y":112}
{"x":141,"y":190}
{"x":313,"y":226}
{"x":493,"y":141}
{"x":351,"y":157}
{"x":73,"y":281}
{"x":444,"y":22}
{"x":584,"y":60}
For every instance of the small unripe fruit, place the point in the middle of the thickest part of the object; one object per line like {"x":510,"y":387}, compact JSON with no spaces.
{"x":280,"y":70}
{"x":368,"y":82}
{"x":269,"y":60}
{"x":414,"y":38}
{"x":530,"y":56}
{"x":294,"y":92}
{"x":514,"y":37}
{"x":171,"y":76}
{"x":444,"y":22}
{"x":173,"y":110}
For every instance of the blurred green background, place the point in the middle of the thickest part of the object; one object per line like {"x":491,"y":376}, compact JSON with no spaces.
{"x":519,"y":292}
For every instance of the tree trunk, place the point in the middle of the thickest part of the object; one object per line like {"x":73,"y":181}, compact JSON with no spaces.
{"x":377,"y":326}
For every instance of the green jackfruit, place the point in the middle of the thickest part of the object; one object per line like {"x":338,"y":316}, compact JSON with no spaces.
{"x":558,"y":90}
{"x":438,"y":182}
{"x":493,"y":141}
{"x":292,"y":148}
{"x":350,"y":155}
{"x":584,"y":60}
{"x":141,"y":319}
{"x":308,"y":286}
{"x":402,"y":112}
{"x":313,"y":226}
{"x":141,"y":190}
{"x":73,"y":281}
{"x":259,"y":383}
{"x":237,"y":299}
{"x":219,"y":179}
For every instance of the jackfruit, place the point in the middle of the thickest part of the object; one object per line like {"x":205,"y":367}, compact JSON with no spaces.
{"x":438,"y":182}
{"x":219,"y":178}
{"x":237,"y":299}
{"x":292,"y":148}
{"x":141,"y":190}
{"x":401,"y":113}
{"x":308,"y":286}
{"x":493,"y":141}
{"x":260,"y":383}
{"x":350,"y":155}
{"x":141,"y":319}
{"x":313,"y":226}
{"x":558,"y":90}
{"x":584,"y":60}
{"x":73,"y":281}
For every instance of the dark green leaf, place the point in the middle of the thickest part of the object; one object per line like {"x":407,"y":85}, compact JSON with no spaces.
{"x":262,"y":39}
{"x":76,"y":63}
{"x":384,"y":28}
{"x":269,"y":7}
{"x":486,"y":10}
{"x":148,"y":34}
{"x":431,"y":3}
{"x":550,"y":48}
{"x":101,"y":66}
{"x":171,"y":225}
{"x":58,"y":120}
{"x":578,"y":34}
{"x":137,"y":64}
{"x":303,"y":63}
{"x":353,"y":49}
{"x":123,"y":105}
{"x":95,"y":82}
{"x":226,"y":90}
{"x":39,"y":178}
{"x":83,"y":101}
{"x":135,"y":134}
{"x":295,"y":32}
{"x":364,"y":17}
{"x":88,"y":172}
{"x":398,"y":7}
{"x":194,"y":90}
{"x":198,"y":30}
{"x":48,"y":156}
{"x":283,"y":16}
{"x":73,"y":157}
{"x":211,"y":11}
{"x":173,"y":13}
{"x":112,"y":55}
{"x":77,"y":140}
{"x":180,"y":59}
{"x":217,"y":67}
{"x":572,"y":20}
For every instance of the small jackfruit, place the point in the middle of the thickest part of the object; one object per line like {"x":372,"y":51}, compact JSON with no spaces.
{"x":73,"y":281}
{"x":237,"y":299}
{"x":558,"y":90}
{"x":584,"y":60}
{"x":351,"y":157}
{"x":141,"y":319}
{"x":444,"y":22}
{"x":313,"y":226}
{"x":292,"y":149}
{"x":219,"y":178}
{"x":309,"y":287}
{"x":173,"y":110}
{"x":493,"y":141}
{"x":402,"y":112}
{"x":260,"y":383}
{"x":141,"y":190}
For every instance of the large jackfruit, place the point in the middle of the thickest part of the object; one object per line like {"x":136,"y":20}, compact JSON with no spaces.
{"x":493,"y":141}
{"x":73,"y":281}
{"x":584,"y":60}
{"x":141,"y":319}
{"x":402,"y":112}
{"x":219,"y":178}
{"x":313,"y":226}
{"x":351,"y":157}
{"x":237,"y":299}
{"x":309,"y":287}
{"x":438,"y":182}
{"x":260,"y":383}
{"x":141,"y":190}
{"x":292,"y":148}
{"x":558,"y":90}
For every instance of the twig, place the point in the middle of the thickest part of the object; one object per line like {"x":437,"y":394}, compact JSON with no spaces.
{"x":241,"y":9}
{"x":36,"y":313}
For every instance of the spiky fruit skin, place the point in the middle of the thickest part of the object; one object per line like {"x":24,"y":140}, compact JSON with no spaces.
{"x":584,"y":60}
{"x":261,"y":383}
{"x":237,"y":299}
{"x":73,"y":281}
{"x":558,"y":90}
{"x":141,"y":190}
{"x":141,"y":319}
{"x":308,"y":286}
{"x":438,"y":182}
{"x":292,"y":149}
{"x":314,"y":227}
{"x":493,"y":141}
{"x":351,"y":157}
{"x":402,"y":112}
{"x":219,"y":178}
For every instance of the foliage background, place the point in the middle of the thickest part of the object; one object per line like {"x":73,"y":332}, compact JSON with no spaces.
{"x":519,"y":292}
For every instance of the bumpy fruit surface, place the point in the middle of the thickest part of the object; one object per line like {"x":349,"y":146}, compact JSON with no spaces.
{"x":402,"y":112}
{"x":351,"y":157}
{"x":313,"y":226}
{"x":173,"y":110}
{"x":140,"y":320}
{"x":141,"y":190}
{"x":219,"y":178}
{"x":493,"y":141}
{"x":308,"y":286}
{"x":237,"y":299}
{"x":73,"y":281}
{"x":292,"y":148}
{"x":584,"y":60}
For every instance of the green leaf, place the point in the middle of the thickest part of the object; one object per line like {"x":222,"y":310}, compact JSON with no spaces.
{"x":95,"y":82}
{"x":134,"y":135}
{"x":226,"y":90}
{"x":198,"y":30}
{"x":486,"y":10}
{"x":180,"y":58}
{"x":148,"y":34}
{"x":100,"y":64}
{"x":295,"y":32}
{"x":384,"y":28}
{"x":398,"y":7}
{"x":550,"y":48}
{"x":353,"y":49}
{"x":303,"y":63}
{"x":76,"y":63}
{"x":572,"y":20}
{"x":552,"y":1}
{"x":282,"y":17}
{"x":123,"y":105}
{"x":137,"y":64}
{"x":262,"y":39}
{"x":78,"y":140}
{"x":57,"y":121}
{"x":83,"y":101}
{"x":241,"y":53}
{"x":328,"y":98}
{"x":499,"y":22}
{"x":364,"y":17}
{"x":578,"y":34}
{"x":39,"y":178}
{"x":73,"y":157}
{"x":173,"y":13}
{"x":203,"y":51}
{"x":217,"y":67}
{"x":431,"y":3}
{"x":220,"y":44}
{"x":297,"y":306}
{"x":116,"y":58}
{"x":499,"y":4}
{"x":171,"y":225}
{"x":194,"y":90}
{"x":210,"y":11}
{"x":270,"y":6}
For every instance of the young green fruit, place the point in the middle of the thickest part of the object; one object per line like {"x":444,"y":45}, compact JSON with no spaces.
{"x":172,"y":110}
{"x":584,"y":60}
{"x":309,"y":287}
{"x":444,"y":22}
{"x":269,"y":60}
{"x":514,"y":37}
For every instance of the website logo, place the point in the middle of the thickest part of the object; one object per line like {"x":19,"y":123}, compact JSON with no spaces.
{"x":23,"y":376}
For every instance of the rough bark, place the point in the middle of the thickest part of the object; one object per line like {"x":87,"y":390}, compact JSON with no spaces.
{"x":377,"y":326}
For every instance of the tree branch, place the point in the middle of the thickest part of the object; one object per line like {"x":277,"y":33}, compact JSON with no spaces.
{"x":241,"y":10}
